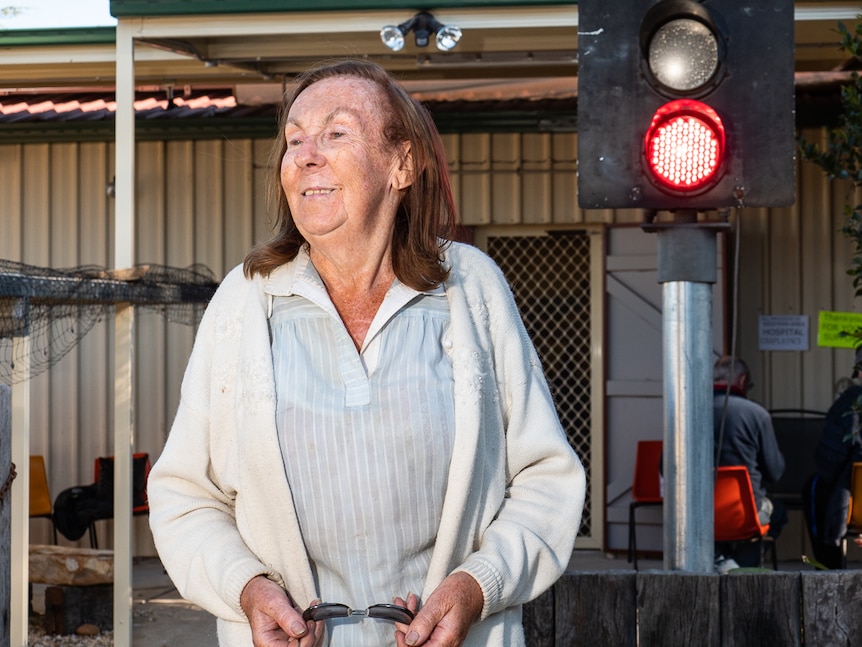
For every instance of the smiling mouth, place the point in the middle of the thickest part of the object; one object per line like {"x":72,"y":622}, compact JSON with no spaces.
{"x":317,"y":192}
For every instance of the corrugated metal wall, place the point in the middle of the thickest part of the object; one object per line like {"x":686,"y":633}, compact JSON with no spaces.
{"x":204,"y":202}
{"x":793,"y":261}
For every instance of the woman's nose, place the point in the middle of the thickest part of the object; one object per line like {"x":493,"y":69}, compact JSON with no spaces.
{"x":308,"y":153}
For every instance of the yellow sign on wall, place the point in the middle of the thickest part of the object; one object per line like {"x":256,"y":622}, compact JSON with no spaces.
{"x":839,"y":329}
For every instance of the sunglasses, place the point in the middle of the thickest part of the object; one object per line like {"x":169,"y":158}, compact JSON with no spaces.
{"x":328,"y":610}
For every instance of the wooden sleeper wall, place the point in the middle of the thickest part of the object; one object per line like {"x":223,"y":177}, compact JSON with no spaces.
{"x":664,"y":608}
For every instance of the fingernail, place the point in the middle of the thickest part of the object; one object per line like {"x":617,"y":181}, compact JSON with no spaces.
{"x":298,"y":628}
{"x":411,"y":638}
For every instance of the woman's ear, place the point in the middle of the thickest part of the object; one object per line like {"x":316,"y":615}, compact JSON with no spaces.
{"x":402,"y":176}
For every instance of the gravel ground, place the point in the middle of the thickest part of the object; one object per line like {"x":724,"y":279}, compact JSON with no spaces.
{"x":153,"y":625}
{"x":160,"y":618}
{"x":36,"y":637}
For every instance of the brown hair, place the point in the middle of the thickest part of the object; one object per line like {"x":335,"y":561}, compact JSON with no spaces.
{"x":425,"y":219}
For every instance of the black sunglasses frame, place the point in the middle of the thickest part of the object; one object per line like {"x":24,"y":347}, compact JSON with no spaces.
{"x":329,"y":610}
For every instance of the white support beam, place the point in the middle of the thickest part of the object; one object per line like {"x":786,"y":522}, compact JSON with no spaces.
{"x":821,"y":11}
{"x":124,"y":253}
{"x":254,"y":25}
{"x":124,"y":441}
{"x":20,"y":513}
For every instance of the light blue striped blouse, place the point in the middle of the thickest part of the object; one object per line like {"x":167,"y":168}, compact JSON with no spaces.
{"x":366,"y":440}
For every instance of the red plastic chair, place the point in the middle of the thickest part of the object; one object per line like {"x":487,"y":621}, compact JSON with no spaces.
{"x":646,"y":487}
{"x":103,"y":476}
{"x":736,"y":517}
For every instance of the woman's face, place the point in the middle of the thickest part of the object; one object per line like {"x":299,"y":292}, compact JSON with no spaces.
{"x":341,"y":179}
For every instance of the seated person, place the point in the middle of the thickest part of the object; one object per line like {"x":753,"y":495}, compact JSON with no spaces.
{"x":827,"y":495}
{"x":744,"y":436}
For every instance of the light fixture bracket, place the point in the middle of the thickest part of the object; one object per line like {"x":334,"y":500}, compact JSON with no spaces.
{"x":423,"y":25}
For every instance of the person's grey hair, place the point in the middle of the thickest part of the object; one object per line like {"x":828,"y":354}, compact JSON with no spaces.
{"x":728,"y":368}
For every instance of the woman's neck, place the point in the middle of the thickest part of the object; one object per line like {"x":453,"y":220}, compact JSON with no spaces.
{"x":356,"y":286}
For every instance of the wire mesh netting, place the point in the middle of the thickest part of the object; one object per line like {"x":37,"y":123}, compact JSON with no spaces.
{"x":45,"y":312}
{"x":550,"y":278}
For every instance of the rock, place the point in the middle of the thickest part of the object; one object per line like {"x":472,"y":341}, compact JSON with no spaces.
{"x":87,"y":630}
{"x":70,"y":566}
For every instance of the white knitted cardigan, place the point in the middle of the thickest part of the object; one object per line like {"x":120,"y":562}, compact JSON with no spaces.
{"x":220,"y":504}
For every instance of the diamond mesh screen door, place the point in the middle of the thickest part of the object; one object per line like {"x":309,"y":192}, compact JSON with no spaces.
{"x":550,"y":276}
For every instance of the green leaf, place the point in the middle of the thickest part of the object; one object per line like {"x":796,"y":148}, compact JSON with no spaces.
{"x":813,"y":562}
{"x":841,"y":156}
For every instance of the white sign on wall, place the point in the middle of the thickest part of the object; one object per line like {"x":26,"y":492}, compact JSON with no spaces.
{"x":783,"y":332}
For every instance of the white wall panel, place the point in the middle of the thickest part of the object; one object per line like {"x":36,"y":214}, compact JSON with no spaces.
{"x":95,"y":219}
{"x":535,"y":165}
{"x":263,"y":224}
{"x":239,"y":201}
{"x":12,"y":171}
{"x":474,"y":207}
{"x":564,"y":180}
{"x":505,"y":179}
{"x":209,"y":204}
{"x":451,"y":144}
{"x":180,"y":199}
{"x":814,"y":202}
{"x":65,"y":379}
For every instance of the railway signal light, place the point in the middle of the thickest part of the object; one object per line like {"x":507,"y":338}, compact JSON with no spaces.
{"x":685,"y":104}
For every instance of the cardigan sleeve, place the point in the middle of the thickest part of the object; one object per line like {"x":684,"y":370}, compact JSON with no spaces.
{"x":192,"y":513}
{"x":527,"y":546}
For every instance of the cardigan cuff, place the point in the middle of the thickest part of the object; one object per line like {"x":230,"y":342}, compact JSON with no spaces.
{"x":239,"y":575}
{"x":489,"y":581}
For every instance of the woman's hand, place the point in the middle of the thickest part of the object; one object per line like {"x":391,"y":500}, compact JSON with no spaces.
{"x":445,"y":619}
{"x":274,"y":621}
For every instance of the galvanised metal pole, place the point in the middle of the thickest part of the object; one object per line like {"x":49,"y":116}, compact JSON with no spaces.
{"x":687,"y":270}
{"x":688,"y":485}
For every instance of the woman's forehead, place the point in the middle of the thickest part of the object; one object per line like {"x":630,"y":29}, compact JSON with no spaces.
{"x":345,"y":93}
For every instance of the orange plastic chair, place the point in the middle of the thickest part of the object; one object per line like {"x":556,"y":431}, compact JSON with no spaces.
{"x":736,"y":517}
{"x":646,"y":487}
{"x":103,"y":476}
{"x":854,"y":515}
{"x":40,"y":494}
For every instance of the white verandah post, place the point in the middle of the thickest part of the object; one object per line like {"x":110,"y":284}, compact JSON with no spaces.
{"x":124,"y":252}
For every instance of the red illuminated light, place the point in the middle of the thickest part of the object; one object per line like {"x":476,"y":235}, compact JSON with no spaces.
{"x":684,"y":146}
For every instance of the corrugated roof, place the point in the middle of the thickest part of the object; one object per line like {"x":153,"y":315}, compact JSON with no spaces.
{"x":92,"y":106}
{"x":464,"y":96}
{"x":207,"y":114}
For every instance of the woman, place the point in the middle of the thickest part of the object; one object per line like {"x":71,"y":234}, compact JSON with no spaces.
{"x":364,"y":419}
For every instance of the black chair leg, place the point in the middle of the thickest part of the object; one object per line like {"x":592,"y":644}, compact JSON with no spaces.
{"x":633,"y":543}
{"x":768,"y":546}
